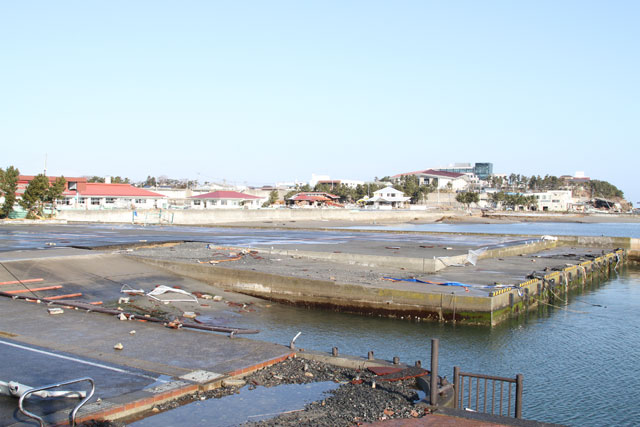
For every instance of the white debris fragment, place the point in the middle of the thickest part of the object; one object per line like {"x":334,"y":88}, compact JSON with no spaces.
{"x":55,"y":310}
{"x":118,"y":346}
{"x":217,"y":298}
{"x":123,"y":300}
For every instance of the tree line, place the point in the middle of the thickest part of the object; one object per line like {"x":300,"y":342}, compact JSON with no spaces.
{"x":409,"y":185}
{"x":517,"y":182}
{"x":39,"y":192}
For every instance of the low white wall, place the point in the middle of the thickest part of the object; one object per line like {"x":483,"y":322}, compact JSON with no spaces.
{"x":218,"y":216}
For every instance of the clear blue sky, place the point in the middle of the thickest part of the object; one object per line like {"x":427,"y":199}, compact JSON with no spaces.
{"x":269,"y":91}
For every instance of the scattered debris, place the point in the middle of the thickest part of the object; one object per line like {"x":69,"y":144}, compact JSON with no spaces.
{"x":55,"y":310}
{"x":162,"y":289}
{"x":126,"y":289}
{"x":118,"y":346}
{"x":123,"y":300}
{"x":132,"y":332}
{"x":189,"y":314}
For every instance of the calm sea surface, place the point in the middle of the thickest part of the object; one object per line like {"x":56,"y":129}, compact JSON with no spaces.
{"x":533,"y":228}
{"x":579,"y":362}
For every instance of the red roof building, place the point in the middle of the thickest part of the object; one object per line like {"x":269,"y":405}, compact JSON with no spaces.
{"x":314,"y":199}
{"x":117,"y":190}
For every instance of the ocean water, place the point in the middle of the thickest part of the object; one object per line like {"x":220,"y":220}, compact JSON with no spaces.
{"x":578,"y":361}
{"x":531,"y":228}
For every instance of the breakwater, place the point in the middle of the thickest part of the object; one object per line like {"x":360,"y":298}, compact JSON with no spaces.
{"x":486,"y":303}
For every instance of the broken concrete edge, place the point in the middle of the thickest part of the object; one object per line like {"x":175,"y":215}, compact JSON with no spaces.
{"x":345,"y":361}
{"x":141,"y":401}
{"x":137,"y":402}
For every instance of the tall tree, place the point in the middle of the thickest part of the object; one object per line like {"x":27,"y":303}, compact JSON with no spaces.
{"x":33,"y":197}
{"x":8,"y":186}
{"x":54,"y":192}
{"x":273,"y":197}
{"x":467,"y":198}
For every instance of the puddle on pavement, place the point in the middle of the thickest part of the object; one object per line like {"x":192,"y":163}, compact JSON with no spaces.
{"x":258,"y":404}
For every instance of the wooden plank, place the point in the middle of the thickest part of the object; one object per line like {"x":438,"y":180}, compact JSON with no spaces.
{"x":63,"y":296}
{"x":15,"y":282}
{"x":23,"y":291}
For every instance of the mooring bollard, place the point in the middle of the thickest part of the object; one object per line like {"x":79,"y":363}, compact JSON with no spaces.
{"x":396,"y":360}
{"x":434,"y":371}
{"x":370,"y":355}
{"x":334,"y":351}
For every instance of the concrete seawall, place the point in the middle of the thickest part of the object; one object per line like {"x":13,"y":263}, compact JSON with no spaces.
{"x":220,"y":216}
{"x":499,"y":305}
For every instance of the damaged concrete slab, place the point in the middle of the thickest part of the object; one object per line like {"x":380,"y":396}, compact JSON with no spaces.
{"x":135,"y":363}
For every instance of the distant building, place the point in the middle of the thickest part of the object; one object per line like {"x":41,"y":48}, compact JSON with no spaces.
{"x":440,"y":179}
{"x":553,"y":200}
{"x":325,"y":179}
{"x":113,"y":196}
{"x":226,"y":200}
{"x":578,"y":178}
{"x":481,"y":170}
{"x":314,"y":199}
{"x":80,"y":194}
{"x":386,"y":198}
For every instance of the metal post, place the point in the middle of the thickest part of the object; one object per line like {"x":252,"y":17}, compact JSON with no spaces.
{"x":456,"y":387}
{"x":519,"y":379}
{"x":434,"y":371}
{"x":370,"y":355}
{"x":334,"y":351}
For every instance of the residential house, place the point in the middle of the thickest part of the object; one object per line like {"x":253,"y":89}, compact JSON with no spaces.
{"x":226,"y":200}
{"x":314,"y":199}
{"x":387,"y":198}
{"x":553,"y":200}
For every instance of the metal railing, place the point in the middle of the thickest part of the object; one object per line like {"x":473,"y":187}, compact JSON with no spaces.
{"x":485,"y":392}
{"x":72,"y":415}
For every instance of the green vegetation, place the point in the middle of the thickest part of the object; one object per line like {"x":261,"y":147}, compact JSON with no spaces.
{"x":8,"y":187}
{"x":33,"y":197}
{"x":273,"y":197}
{"x":39,"y":192}
{"x":513,"y":201}
{"x":467,"y":198}
{"x":54,"y":192}
{"x":593,"y":188}
{"x":410,"y":186}
{"x":604,"y":189}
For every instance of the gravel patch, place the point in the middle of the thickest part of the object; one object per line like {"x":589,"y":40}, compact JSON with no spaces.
{"x":355,"y":401}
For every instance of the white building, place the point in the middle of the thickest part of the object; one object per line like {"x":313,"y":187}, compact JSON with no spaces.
{"x":92,"y":196}
{"x":553,"y":200}
{"x":442,"y":180}
{"x":387,"y":198}
{"x":226,"y":200}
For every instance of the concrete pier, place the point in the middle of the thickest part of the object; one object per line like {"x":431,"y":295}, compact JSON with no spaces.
{"x":499,"y":287}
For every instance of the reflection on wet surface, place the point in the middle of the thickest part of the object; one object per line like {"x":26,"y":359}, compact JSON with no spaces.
{"x":258,"y":404}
